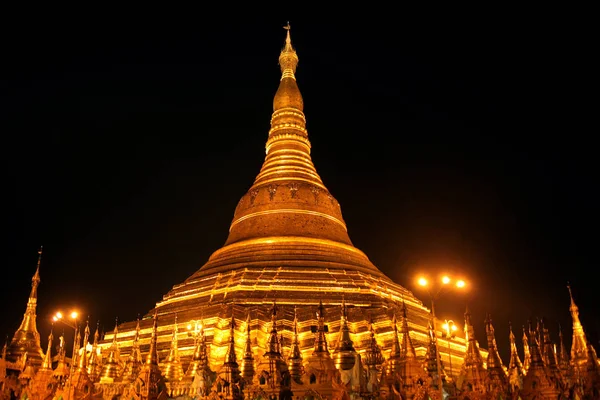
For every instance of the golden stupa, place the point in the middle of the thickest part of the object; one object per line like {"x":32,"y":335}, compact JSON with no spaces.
{"x":288,"y":243}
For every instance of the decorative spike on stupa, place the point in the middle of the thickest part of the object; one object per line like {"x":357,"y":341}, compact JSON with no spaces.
{"x":538,"y":380}
{"x":539,"y":336}
{"x":431,"y":356}
{"x":496,"y":373}
{"x":134,"y":362}
{"x":248,"y":359}
{"x":26,"y":339}
{"x":83,"y":357}
{"x":152,"y":382}
{"x":273,"y":348}
{"x":373,"y":356}
{"x":94,"y":368}
{"x":173,"y":370}
{"x":549,"y":355}
{"x":526,"y":352}
{"x":408,"y":350}
{"x":62,"y":369}
{"x":395,"y":357}
{"x":473,"y":372}
{"x":493,"y":360}
{"x":231,"y":357}
{"x":47,"y":363}
{"x":344,"y":353}
{"x":230,"y":372}
{"x":320,"y":339}
{"x":76,"y":345}
{"x":515,"y":366}
{"x":579,"y":343}
{"x":152,"y":357}
{"x":562,"y":355}
{"x":536,"y":356}
{"x":199,"y":359}
{"x":111,"y":370}
{"x":295,"y":357}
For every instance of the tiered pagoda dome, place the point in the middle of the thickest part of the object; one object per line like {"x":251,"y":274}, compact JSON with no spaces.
{"x":288,"y":243}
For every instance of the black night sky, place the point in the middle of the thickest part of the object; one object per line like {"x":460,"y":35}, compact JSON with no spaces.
{"x":450,"y":145}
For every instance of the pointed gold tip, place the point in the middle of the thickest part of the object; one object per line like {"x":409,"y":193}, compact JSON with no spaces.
{"x":288,"y":59}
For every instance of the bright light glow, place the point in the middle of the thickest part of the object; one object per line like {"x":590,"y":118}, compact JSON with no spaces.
{"x":445,"y":280}
{"x":422,"y":281}
{"x":74,"y":315}
{"x":454,"y":327}
{"x":189,"y":327}
{"x":445,"y":327}
{"x":58,"y":316}
{"x":460,"y":284}
{"x":55,"y":318}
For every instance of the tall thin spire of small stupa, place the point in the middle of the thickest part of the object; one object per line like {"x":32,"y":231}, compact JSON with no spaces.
{"x":579,"y":343}
{"x":344,"y":353}
{"x":295,"y":358}
{"x":173,"y":369}
{"x":26,"y":339}
{"x":515,"y":366}
{"x":248,"y":358}
{"x":526,"y":352}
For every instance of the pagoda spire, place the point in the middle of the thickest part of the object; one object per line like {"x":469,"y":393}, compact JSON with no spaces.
{"x":134,"y":362}
{"x":26,"y":339}
{"x":94,"y":367}
{"x":173,"y":369}
{"x":407,"y":350}
{"x":152,"y":357}
{"x":430,"y":362}
{"x":526,"y":352}
{"x":538,"y":378}
{"x":373,"y":356}
{"x":549,"y":355}
{"x":199,"y":359}
{"x":295,"y":357}
{"x":112,"y":369}
{"x":395,"y":358}
{"x":83,"y":358}
{"x":62,"y":370}
{"x":248,"y":359}
{"x":496,"y":376}
{"x":320,"y":339}
{"x":563,"y":356}
{"x":42,"y":380}
{"x":273,"y":348}
{"x":288,"y":197}
{"x":515,"y":366}
{"x":47,"y":363}
{"x":579,"y":344}
{"x":472,"y":372}
{"x":230,"y":372}
{"x":344,"y":353}
{"x":150,"y":375}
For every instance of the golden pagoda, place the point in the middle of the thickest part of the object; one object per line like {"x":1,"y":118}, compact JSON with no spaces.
{"x":288,"y":243}
{"x":289,"y":308}
{"x":25,"y":343}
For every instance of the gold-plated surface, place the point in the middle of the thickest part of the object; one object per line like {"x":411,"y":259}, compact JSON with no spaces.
{"x":306,"y":312}
{"x":287,"y":243}
{"x":26,"y":340}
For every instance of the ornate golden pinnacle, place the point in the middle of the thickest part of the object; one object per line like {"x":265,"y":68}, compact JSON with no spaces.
{"x":288,"y":59}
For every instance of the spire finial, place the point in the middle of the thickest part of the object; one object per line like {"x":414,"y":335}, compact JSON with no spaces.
{"x":288,"y":59}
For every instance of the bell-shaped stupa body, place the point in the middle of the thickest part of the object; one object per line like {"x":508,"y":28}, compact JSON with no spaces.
{"x":288,"y":243}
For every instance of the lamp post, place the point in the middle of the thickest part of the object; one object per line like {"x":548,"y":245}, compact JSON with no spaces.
{"x":435,"y":291}
{"x":449,"y":328}
{"x":59,"y":317}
